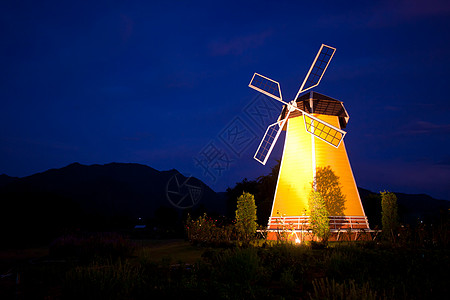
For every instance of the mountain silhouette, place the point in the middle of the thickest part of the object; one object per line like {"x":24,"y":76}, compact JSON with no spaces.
{"x":114,"y":196}
{"x":5,"y":179}
{"x":83,"y":196}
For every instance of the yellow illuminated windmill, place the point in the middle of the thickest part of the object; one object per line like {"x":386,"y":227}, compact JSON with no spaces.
{"x":314,"y":138}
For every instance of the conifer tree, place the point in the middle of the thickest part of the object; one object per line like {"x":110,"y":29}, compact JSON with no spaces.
{"x":389,"y":214}
{"x":246,"y":217}
{"x":318,"y":216}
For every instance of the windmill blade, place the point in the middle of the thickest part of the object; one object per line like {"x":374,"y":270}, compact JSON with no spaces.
{"x":269,"y":140}
{"x":323,"y":130}
{"x":266,"y":86}
{"x":317,"y":69}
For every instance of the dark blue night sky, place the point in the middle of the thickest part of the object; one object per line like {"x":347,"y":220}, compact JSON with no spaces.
{"x":166,"y":85}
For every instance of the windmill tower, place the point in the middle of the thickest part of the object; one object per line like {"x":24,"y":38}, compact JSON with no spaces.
{"x":314,"y":139}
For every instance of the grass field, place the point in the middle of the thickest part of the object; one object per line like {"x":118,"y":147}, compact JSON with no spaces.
{"x":110,"y":267}
{"x":168,"y":250}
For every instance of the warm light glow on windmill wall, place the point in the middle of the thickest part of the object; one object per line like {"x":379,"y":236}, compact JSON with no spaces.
{"x":338,"y":160}
{"x":296,"y":172}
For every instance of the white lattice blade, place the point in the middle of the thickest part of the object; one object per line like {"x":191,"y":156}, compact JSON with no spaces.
{"x":266,"y":86}
{"x":267,"y":143}
{"x":323,"y":130}
{"x":317,"y":69}
{"x":269,"y":140}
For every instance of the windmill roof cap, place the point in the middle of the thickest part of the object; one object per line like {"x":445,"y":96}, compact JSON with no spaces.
{"x":316,"y":96}
{"x":323,"y":105}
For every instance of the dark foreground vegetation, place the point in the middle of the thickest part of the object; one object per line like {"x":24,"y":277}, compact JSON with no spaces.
{"x":110,"y":266}
{"x":176,"y":255}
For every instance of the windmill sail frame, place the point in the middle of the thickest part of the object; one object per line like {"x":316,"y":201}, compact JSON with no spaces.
{"x":269,"y":140}
{"x":314,"y":126}
{"x":327,"y":132}
{"x":266,"y":88}
{"x":322,"y":57}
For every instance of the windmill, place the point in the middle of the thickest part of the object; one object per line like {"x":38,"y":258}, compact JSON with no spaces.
{"x":314,"y":138}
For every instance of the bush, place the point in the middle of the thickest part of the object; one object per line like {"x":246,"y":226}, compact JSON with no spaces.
{"x":233,"y":274}
{"x":389,"y":215}
{"x":318,"y":216}
{"x":246,"y":217}
{"x":205,"y":231}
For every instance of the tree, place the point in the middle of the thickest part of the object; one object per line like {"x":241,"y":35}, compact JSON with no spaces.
{"x":263,"y":188}
{"x":389,"y":214}
{"x":250,"y":186}
{"x":318,"y":216}
{"x":246,"y":217}
{"x":328,"y":185}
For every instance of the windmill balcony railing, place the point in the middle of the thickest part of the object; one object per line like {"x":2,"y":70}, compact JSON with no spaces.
{"x":301,"y":223}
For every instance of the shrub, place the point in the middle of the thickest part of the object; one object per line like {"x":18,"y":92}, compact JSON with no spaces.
{"x":246,"y":217}
{"x":205,"y":231}
{"x":389,"y":215}
{"x":234,"y":274}
{"x":318,"y":216}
